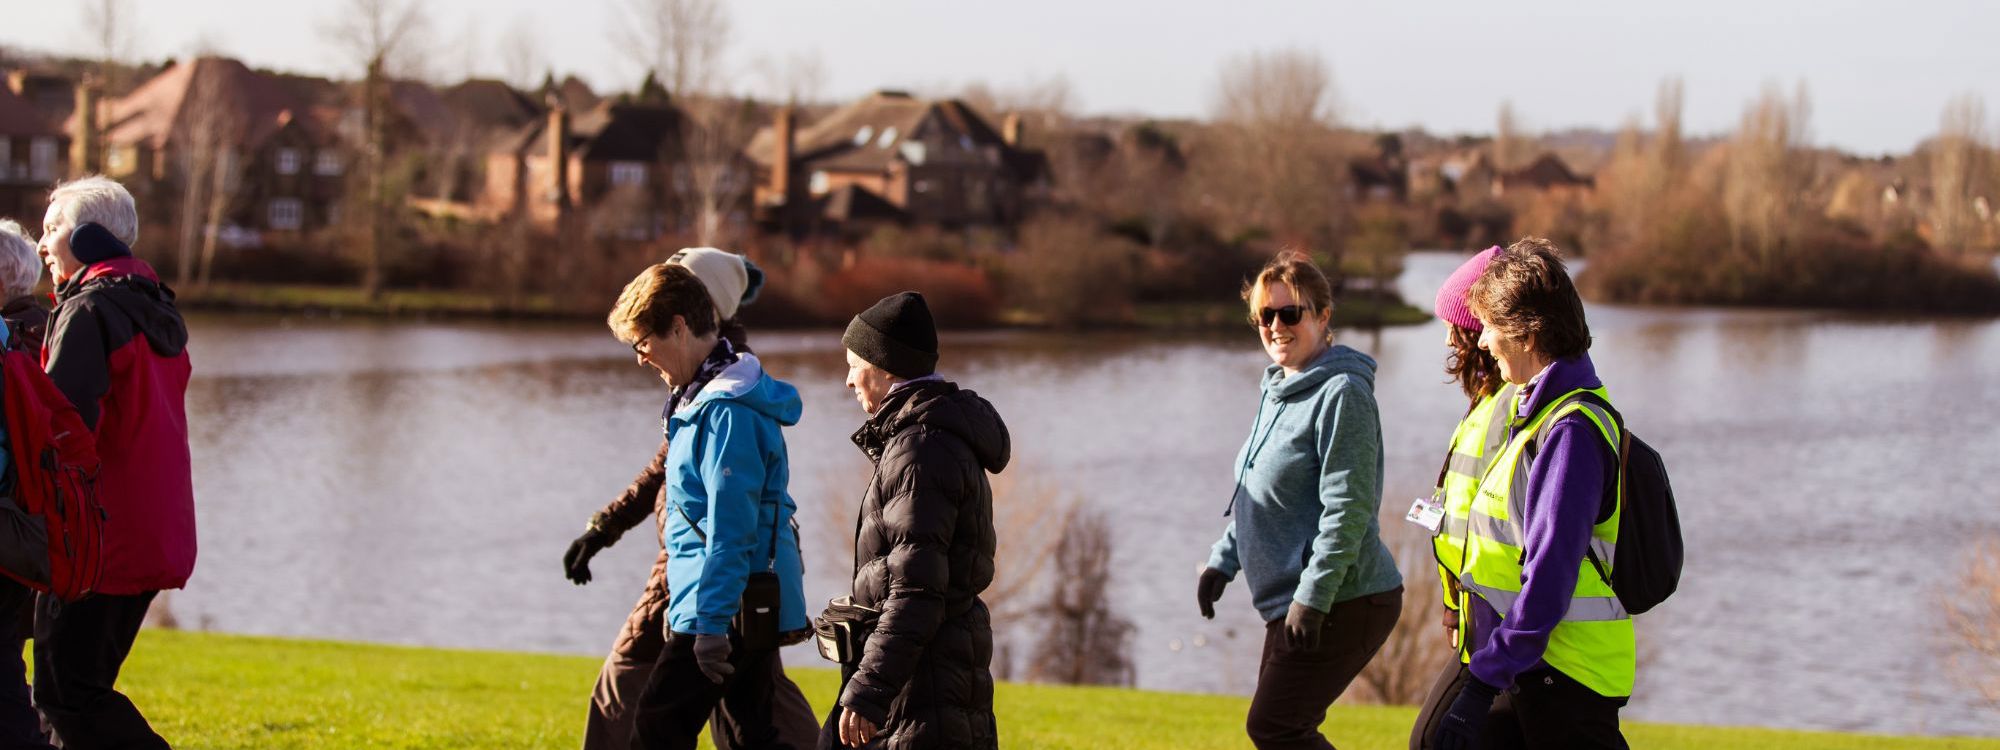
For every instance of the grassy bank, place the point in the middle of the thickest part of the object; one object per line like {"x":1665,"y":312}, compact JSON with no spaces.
{"x":213,"y":691}
{"x":349,"y":300}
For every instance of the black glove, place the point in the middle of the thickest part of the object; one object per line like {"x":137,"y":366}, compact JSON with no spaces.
{"x":1302,"y":625}
{"x":711,"y":655}
{"x":576,"y":562}
{"x":1459,"y":729}
{"x":1209,"y":589}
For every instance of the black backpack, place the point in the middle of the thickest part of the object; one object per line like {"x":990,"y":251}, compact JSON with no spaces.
{"x":1646,"y":568}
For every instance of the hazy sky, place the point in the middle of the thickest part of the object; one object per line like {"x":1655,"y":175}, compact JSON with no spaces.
{"x":1879,"y":72}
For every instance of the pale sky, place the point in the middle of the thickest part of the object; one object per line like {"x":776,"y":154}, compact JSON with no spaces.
{"x":1879,"y":72}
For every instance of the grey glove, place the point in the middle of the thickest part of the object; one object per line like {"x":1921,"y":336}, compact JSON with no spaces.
{"x":711,"y":653}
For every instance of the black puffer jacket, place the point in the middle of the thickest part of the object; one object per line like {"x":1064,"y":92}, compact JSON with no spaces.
{"x":923,"y":551}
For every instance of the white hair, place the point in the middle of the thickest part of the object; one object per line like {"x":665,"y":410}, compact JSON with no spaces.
{"x":20,"y":268}
{"x":100,"y":200}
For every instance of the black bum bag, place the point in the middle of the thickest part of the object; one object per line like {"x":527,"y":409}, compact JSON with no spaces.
{"x":843,"y":629}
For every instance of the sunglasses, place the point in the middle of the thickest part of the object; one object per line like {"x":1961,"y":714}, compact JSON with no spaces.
{"x":1289,"y":314}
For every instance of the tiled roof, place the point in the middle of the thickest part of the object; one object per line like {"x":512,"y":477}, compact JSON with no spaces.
{"x":20,"y":118}
{"x":160,"y":110}
{"x":865,"y":136}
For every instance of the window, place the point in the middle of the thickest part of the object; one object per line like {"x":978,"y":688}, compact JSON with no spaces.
{"x":888,"y":137}
{"x":862,"y":136}
{"x":42,"y":158}
{"x":285,"y":213}
{"x":821,"y":183}
{"x":118,"y":160}
{"x":327,"y":163}
{"x":288,"y":161}
{"x":6,"y":158}
{"x":628,"y":173}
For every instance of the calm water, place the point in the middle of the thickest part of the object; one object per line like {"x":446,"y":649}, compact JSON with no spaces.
{"x":417,"y":483}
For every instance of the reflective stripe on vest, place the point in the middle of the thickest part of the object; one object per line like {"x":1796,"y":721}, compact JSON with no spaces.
{"x":1594,"y":642}
{"x":1479,"y":437}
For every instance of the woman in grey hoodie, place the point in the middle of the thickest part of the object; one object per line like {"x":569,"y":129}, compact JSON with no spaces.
{"x":1309,"y":483}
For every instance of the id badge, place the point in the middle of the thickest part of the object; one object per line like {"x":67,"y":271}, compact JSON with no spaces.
{"x":1428,"y":513}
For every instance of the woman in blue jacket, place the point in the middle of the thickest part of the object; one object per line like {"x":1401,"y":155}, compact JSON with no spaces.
{"x":1309,"y":483}
{"x":729,"y":520}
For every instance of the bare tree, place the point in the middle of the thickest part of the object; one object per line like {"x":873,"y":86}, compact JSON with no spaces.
{"x":110,"y":24}
{"x":209,"y":170}
{"x":1959,"y":164}
{"x":1508,"y":150}
{"x":800,"y":77}
{"x":521,"y":60}
{"x":712,"y":176}
{"x":1085,"y":642}
{"x":1277,"y":159}
{"x":1972,"y":623}
{"x":681,"y":41}
{"x":1767,"y":172}
{"x":380,"y":36}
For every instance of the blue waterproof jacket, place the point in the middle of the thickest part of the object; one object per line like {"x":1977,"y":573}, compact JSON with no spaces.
{"x":726,"y":475}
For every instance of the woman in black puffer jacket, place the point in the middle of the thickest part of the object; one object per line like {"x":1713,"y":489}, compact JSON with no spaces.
{"x":924,"y":542}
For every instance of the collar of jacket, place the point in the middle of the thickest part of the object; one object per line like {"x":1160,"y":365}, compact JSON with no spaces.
{"x":110,"y":272}
{"x":1559,"y":378}
{"x":1337,"y":359}
{"x":892,"y":417}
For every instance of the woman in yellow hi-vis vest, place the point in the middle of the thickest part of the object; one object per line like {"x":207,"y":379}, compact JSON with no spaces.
{"x":1479,"y":436}
{"x":1547,"y":651}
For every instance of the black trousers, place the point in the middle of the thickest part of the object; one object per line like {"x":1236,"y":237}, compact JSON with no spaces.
{"x":79,"y":648}
{"x":1295,"y":686}
{"x":1543,"y":709}
{"x":20,"y":724}
{"x":678,"y":699}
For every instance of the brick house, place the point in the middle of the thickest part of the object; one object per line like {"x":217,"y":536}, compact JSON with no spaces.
{"x":33,"y":156}
{"x":610,"y":163}
{"x":893,"y":157}
{"x":280,"y":135}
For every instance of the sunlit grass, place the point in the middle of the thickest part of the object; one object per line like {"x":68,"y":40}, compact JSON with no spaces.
{"x":215,"y":691}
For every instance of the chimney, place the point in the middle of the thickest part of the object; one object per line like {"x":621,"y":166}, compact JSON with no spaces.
{"x":558,"y":155}
{"x":17,"y":81}
{"x":85,"y":145}
{"x":781,"y":158}
{"x":1010,"y":130}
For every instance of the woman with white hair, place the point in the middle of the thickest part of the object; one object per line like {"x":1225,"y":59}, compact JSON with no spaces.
{"x":27,"y":316}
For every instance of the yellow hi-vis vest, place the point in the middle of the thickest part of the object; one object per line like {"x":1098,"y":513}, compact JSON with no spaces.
{"x":1593,"y":644}
{"x":1480,"y":436}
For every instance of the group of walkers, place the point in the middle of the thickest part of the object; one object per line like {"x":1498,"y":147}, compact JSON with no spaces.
{"x":701,"y":647}
{"x":1523,"y":520}
{"x":1523,"y":517}
{"x":114,"y":347}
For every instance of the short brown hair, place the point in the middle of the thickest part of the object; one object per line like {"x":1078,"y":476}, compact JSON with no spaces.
{"x":648,"y":304}
{"x":1526,"y":293}
{"x":1296,"y":268}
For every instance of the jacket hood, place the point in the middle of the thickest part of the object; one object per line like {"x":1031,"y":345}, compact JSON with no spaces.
{"x":1336,"y":360}
{"x":130,"y":285}
{"x":746,"y":383}
{"x":945,"y":406}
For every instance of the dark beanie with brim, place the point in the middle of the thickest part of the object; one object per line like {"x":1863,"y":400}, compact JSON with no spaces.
{"x":897,"y":335}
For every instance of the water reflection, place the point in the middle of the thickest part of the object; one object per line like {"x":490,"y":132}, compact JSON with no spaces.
{"x":418,"y":483}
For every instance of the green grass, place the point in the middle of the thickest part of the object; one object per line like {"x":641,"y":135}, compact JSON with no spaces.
{"x":1349,"y":313}
{"x":216,"y":691}
{"x":350,"y":300}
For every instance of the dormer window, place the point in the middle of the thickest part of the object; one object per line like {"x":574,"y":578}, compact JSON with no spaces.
{"x":862,"y":136}
{"x":888,"y":137}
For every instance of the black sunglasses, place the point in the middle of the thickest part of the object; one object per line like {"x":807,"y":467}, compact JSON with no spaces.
{"x":1290,"y":314}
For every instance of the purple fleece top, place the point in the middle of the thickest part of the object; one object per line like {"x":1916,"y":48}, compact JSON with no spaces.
{"x":1567,"y":484}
